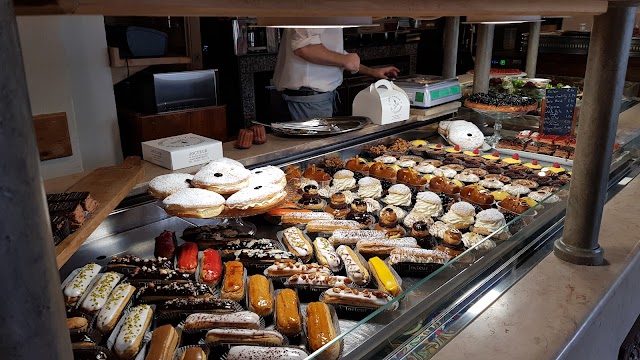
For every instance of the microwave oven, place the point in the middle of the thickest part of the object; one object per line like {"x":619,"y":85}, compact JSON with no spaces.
{"x":163,"y":92}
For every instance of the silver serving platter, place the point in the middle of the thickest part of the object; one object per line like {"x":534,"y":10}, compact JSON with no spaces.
{"x":321,"y":126}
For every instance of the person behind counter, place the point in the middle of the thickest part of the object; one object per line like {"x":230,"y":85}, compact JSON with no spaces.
{"x":309,"y":69}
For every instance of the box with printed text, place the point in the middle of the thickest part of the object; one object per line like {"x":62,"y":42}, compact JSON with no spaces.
{"x":178,"y":152}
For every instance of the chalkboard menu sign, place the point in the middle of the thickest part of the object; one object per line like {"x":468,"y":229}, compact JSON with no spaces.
{"x":558,"y":111}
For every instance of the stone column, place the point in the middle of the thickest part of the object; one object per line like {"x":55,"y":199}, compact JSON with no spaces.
{"x":483,"y":58}
{"x":603,"y":85}
{"x":32,"y":317}
{"x":451,"y":33}
{"x":532,"y":48}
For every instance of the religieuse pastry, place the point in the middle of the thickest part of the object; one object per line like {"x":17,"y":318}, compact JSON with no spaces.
{"x":311,"y":199}
{"x":460,"y":215}
{"x":338,"y":206}
{"x":221,"y":177}
{"x":451,"y":243}
{"x":164,"y":185}
{"x":359,"y":212}
{"x":389,"y":224}
{"x":196,"y":203}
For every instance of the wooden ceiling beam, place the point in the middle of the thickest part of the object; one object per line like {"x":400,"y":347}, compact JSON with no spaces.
{"x":302,"y":8}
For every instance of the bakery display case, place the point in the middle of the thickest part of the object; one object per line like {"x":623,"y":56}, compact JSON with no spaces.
{"x":429,"y":288}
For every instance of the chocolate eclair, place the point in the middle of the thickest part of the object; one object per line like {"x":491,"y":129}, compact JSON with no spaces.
{"x":130,"y":262}
{"x":266,"y":256}
{"x":156,"y":293}
{"x":197,"y":304}
{"x":213,"y":233}
{"x":452,"y":243}
{"x":150,"y":273}
{"x":229,"y":248}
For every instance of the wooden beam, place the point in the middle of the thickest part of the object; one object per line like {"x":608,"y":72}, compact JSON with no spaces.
{"x":44,"y":7}
{"x":299,"y":8}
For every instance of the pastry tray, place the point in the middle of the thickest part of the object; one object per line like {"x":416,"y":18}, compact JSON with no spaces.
{"x":540,"y":157}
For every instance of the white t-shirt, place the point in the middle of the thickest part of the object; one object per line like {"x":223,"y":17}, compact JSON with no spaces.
{"x":293,"y":72}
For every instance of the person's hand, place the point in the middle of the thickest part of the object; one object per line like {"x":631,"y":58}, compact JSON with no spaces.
{"x":351,"y":62}
{"x":385,"y":72}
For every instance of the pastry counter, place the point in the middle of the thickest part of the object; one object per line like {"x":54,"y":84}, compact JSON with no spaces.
{"x":435,"y":285}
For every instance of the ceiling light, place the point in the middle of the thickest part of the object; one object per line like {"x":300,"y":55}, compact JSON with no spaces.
{"x":506,"y":19}
{"x":315,"y":22}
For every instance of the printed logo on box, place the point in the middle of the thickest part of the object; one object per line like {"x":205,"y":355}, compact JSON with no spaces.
{"x":181,"y":142}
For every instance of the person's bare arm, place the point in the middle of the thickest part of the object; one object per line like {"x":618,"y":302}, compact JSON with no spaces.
{"x":379,"y":73}
{"x":320,"y":55}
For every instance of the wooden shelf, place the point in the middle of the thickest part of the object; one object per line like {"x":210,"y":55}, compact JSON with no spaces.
{"x":297,"y":8}
{"x":108,"y":185}
{"x":117,"y":62}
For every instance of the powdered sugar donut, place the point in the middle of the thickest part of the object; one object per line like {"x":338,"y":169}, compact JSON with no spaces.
{"x":466,"y":135}
{"x":256,"y":197}
{"x":221,"y":178}
{"x":197,"y":203}
{"x":164,"y":185}
{"x":267,"y":175}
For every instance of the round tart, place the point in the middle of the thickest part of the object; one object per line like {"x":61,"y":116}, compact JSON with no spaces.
{"x":164,"y":185}
{"x":491,"y":183}
{"x":256,"y":197}
{"x":196,"y":203}
{"x":528,"y":183}
{"x":475,"y":171}
{"x":501,"y":102}
{"x":221,"y":178}
{"x":503,"y":178}
{"x":516,"y":190}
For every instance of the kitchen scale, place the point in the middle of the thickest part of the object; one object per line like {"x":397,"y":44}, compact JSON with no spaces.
{"x":425,"y":91}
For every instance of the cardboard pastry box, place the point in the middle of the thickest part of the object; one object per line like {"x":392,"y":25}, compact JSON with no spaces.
{"x":178,"y":152}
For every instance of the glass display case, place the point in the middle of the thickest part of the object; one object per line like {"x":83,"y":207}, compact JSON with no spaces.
{"x":420,"y":318}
